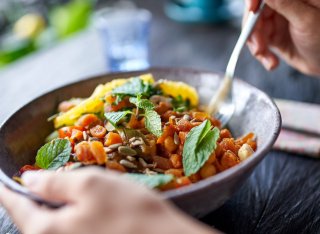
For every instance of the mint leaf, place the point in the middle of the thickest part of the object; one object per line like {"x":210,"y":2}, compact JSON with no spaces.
{"x":115,"y":117}
{"x":131,"y":88}
{"x":144,"y":104}
{"x":181,"y":105}
{"x":151,"y":181}
{"x":153,"y":122}
{"x":54,"y":154}
{"x":199,"y":145}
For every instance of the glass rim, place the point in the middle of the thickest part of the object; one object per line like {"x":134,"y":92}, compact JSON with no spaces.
{"x":103,"y":15}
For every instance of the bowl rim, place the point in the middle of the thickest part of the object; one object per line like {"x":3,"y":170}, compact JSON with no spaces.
{"x":221,"y":177}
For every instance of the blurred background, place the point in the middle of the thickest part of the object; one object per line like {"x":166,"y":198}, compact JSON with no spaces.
{"x":27,"y":26}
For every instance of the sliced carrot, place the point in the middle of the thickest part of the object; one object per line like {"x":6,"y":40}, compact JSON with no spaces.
{"x":112,"y":138}
{"x":76,"y":135}
{"x":83,"y":152}
{"x":98,"y":131}
{"x":88,"y":120}
{"x":113,"y":165}
{"x":98,"y":152}
{"x":67,"y":131}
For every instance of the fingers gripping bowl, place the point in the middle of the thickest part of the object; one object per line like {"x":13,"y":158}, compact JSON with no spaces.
{"x":23,"y":134}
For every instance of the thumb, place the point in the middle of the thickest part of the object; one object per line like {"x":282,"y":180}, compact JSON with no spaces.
{"x":297,"y":12}
{"x":252,"y":5}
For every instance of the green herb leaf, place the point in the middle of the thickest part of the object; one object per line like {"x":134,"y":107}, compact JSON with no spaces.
{"x":115,"y":117}
{"x":144,"y":104}
{"x":131,"y":88}
{"x":181,"y":105}
{"x":134,"y":87}
{"x":153,"y":122}
{"x":199,"y":145}
{"x":151,"y":181}
{"x":54,"y":154}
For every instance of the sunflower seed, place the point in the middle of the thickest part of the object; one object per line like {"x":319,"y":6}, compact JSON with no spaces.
{"x":158,"y":170}
{"x":150,"y":172}
{"x":127,"y":151}
{"x":176,"y":139}
{"x":142,"y":162}
{"x":107,"y":150}
{"x":85,"y":135}
{"x":131,"y":159}
{"x":94,"y":139}
{"x":115,"y":146}
{"x":111,"y":156}
{"x":127,"y":164}
{"x":137,"y":142}
{"x":186,"y":117}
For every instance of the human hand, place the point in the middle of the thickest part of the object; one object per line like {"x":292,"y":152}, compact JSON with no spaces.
{"x":289,"y":29}
{"x":97,"y":202}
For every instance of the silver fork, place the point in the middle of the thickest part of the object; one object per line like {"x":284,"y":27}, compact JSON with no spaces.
{"x":222,"y":104}
{"x":17,"y":188}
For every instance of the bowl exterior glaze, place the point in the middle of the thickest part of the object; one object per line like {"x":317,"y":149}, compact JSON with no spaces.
{"x":24,"y":132}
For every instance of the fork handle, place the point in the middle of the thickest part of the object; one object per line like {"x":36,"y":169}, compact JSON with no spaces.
{"x":225,"y":89}
{"x":245,"y":33}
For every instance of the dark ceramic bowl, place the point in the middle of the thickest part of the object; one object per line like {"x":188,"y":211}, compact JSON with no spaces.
{"x":24,"y":132}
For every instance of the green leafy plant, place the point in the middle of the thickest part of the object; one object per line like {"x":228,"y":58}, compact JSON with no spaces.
{"x":200,"y":142}
{"x":153,"y":119}
{"x":71,"y":17}
{"x":115,"y":117}
{"x":135,"y":87}
{"x":54,"y":154}
{"x":151,"y":181}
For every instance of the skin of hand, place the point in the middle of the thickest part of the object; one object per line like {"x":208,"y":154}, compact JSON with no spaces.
{"x":288,"y":29}
{"x":97,"y":202}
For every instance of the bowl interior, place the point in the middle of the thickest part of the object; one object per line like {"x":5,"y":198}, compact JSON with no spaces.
{"x":24,"y":132}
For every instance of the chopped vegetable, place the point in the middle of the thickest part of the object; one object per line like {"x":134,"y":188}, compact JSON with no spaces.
{"x":153,"y":132}
{"x":53,"y":154}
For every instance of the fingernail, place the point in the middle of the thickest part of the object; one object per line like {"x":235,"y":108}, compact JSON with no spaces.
{"x":29,"y":178}
{"x":266,"y":63}
{"x":254,"y":48}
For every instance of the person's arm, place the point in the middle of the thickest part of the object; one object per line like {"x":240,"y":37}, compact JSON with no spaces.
{"x":288,"y":29}
{"x":96,"y":202}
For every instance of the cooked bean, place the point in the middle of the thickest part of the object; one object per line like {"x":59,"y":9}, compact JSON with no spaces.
{"x":207,"y":170}
{"x":176,"y":160}
{"x":229,"y":159}
{"x":245,"y":151}
{"x":169,"y":144}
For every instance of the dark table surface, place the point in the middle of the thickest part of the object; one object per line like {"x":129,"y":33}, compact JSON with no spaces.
{"x":283,"y":193}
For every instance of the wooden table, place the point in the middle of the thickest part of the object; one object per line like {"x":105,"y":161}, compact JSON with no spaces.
{"x":283,"y":193}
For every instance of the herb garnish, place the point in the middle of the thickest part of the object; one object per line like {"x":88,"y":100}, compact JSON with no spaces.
{"x":181,"y":105}
{"x":115,"y":117}
{"x":134,"y":87}
{"x":151,"y":181}
{"x":54,"y":154}
{"x":201,"y":141}
{"x":152,"y":118}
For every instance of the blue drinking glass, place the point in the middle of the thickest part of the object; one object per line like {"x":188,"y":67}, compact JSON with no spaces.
{"x":125,"y":38}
